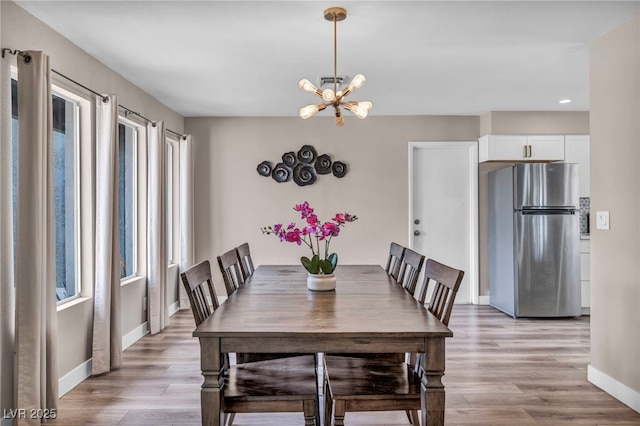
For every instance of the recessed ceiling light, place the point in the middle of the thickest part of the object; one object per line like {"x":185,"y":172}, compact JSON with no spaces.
{"x":564,"y":101}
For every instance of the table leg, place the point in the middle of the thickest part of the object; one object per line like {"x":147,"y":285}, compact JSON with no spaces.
{"x":432,"y":390}
{"x":211,"y":397}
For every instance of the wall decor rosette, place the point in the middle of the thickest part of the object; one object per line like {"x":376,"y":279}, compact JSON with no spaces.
{"x":303,"y":167}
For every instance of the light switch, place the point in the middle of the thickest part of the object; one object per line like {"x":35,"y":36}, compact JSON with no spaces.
{"x":602,"y":220}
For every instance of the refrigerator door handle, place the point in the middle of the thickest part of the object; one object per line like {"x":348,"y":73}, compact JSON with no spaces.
{"x":549,"y":211}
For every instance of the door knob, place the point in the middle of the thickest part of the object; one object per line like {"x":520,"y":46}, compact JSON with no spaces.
{"x":416,"y":232}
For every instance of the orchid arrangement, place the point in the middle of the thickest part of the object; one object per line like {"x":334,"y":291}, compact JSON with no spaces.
{"x":313,"y":235}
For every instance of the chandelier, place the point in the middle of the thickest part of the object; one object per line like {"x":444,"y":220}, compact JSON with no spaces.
{"x":335,"y":98}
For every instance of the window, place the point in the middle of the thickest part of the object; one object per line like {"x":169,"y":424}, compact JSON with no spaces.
{"x":65,"y":178}
{"x":127,"y":185}
{"x":65,"y":188}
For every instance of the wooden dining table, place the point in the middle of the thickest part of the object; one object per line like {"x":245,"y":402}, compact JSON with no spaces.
{"x":368,"y":312}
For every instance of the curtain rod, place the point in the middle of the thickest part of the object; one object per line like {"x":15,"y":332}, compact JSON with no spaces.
{"x":27,"y":59}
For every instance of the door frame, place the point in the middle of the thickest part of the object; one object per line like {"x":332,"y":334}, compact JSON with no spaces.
{"x":472,"y":149}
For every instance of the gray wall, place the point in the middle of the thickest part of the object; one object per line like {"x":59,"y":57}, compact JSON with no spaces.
{"x":233,"y":202}
{"x":615,"y":183}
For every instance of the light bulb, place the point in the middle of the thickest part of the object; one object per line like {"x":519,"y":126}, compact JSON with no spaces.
{"x":328,"y":96}
{"x":308,"y":111}
{"x":359,"y":109}
{"x":307,"y":86}
{"x":357,"y":82}
{"x":339,"y":119}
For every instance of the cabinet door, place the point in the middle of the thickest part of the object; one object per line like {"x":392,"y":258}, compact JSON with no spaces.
{"x":507,"y":147}
{"x":546,"y":148}
{"x":576,"y":150}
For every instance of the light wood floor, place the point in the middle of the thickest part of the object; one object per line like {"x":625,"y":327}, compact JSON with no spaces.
{"x":500,"y":371}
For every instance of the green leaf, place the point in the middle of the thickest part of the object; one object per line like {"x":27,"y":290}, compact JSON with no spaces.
{"x":311,"y":265}
{"x":333,"y":259}
{"x":306,"y":262}
{"x":326,"y":266}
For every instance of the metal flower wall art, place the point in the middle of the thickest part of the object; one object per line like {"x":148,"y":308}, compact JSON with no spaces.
{"x":303,"y":167}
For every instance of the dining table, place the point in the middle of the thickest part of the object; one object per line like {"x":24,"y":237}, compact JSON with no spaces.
{"x":368,"y":312}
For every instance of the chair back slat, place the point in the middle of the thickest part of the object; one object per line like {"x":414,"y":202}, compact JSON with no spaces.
{"x":410,"y":270}
{"x":394,"y":262}
{"x":230,"y":269}
{"x":197,"y":282}
{"x":246,"y":263}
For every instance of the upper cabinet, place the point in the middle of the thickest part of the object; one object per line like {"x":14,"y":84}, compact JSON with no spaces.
{"x":521,"y":148}
{"x":576,"y":150}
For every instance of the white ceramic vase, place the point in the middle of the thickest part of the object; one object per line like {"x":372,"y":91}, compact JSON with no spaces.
{"x":321,"y":282}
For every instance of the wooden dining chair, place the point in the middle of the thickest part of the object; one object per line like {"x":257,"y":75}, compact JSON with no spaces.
{"x":246,"y":263}
{"x":277,"y":385}
{"x":198,"y":283}
{"x":396,"y":252}
{"x":229,"y":264}
{"x":360,"y":384}
{"x":410,"y":269}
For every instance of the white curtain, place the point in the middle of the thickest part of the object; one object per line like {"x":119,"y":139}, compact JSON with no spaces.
{"x":156,"y":226}
{"x":7,"y":291}
{"x":107,"y":329}
{"x":187,"y":243}
{"x":36,"y":320}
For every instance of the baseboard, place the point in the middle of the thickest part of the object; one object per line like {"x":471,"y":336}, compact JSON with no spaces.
{"x":134,"y":335}
{"x":173,"y":308}
{"x":483,"y":300}
{"x":74,"y":377}
{"x":619,"y":391}
{"x":586,"y":311}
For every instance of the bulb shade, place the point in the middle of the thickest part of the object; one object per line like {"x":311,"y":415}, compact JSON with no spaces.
{"x":328,"y":96}
{"x":308,"y":111}
{"x":307,"y":86}
{"x":357,"y":82}
{"x":359,"y":109}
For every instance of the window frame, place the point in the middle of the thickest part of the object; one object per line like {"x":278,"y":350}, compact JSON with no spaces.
{"x":139,"y":198}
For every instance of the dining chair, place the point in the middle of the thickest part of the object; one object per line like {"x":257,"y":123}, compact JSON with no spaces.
{"x":410,"y":269}
{"x":202,"y":294}
{"x":277,"y":385}
{"x":246,"y":262}
{"x":396,"y":251}
{"x":229,"y":264}
{"x":361,"y":384}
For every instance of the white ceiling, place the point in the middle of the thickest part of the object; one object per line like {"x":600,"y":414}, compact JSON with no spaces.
{"x":245,"y":58}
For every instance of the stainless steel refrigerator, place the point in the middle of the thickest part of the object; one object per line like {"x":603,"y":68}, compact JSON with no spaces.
{"x":534,"y":240}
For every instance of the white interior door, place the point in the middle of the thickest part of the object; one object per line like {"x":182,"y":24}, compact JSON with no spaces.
{"x":443,"y":209}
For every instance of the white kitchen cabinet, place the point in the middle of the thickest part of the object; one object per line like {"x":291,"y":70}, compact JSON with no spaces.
{"x":521,"y":148}
{"x":576,"y":150}
{"x":585,"y":277}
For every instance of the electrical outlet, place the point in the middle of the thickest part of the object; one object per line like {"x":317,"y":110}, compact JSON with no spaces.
{"x":602,"y":220}
{"x":144,"y":304}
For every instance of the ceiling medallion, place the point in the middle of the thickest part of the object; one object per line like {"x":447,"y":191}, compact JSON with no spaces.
{"x":334,"y":97}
